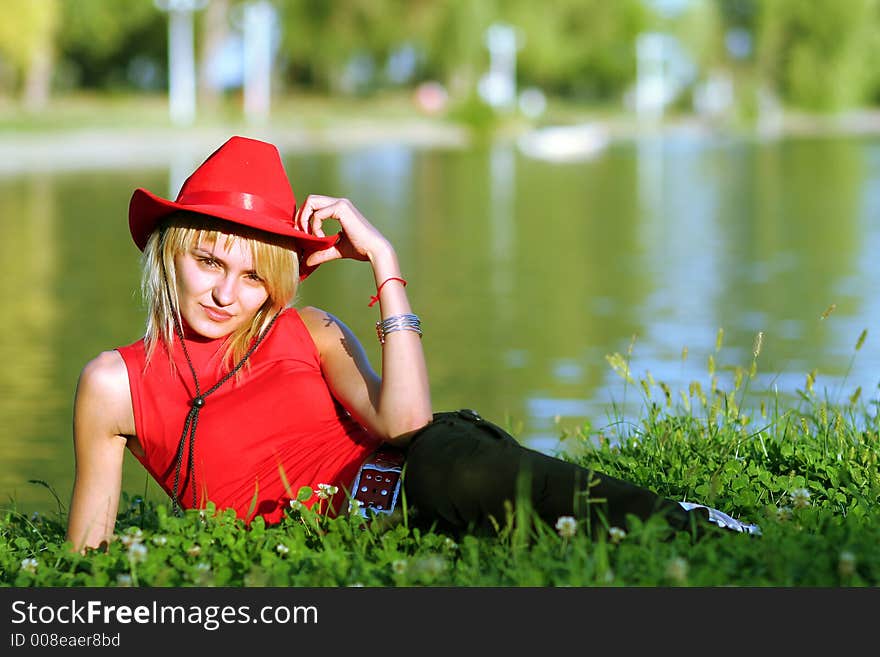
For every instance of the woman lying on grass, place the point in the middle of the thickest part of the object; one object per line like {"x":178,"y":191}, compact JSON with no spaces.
{"x":235,"y":397}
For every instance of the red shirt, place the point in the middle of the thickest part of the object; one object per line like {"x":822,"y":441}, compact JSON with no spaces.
{"x":259,"y":438}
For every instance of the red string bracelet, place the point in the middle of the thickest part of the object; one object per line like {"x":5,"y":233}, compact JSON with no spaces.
{"x":375,"y":299}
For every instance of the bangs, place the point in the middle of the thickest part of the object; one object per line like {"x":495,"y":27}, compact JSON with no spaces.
{"x":274,"y":257}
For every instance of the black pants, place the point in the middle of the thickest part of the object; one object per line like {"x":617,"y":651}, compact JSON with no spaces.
{"x":462,"y":470}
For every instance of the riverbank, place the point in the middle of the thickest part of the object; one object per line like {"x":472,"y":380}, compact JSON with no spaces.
{"x":87,"y":132}
{"x":111,"y":148}
{"x":97,"y":133}
{"x":106,"y":133}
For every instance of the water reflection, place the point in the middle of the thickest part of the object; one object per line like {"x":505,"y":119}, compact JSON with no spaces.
{"x":28,"y":397}
{"x":502,"y":227}
{"x":526,"y":275}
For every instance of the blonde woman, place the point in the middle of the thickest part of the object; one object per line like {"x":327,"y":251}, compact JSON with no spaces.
{"x":236,"y":397}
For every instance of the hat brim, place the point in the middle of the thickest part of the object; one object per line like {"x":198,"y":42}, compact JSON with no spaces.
{"x":146,"y":210}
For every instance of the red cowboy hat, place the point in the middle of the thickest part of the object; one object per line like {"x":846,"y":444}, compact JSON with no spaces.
{"x":243,"y":181}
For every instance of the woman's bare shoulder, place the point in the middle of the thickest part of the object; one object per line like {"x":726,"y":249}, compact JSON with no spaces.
{"x":106,"y":371}
{"x":319,"y":322}
{"x":103,"y":393}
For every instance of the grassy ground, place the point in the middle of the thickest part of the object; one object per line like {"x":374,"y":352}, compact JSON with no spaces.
{"x":808,"y":474}
{"x":84,"y":110}
{"x":304,"y":110}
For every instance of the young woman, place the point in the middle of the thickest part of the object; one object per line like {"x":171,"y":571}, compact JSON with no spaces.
{"x":234,"y":396}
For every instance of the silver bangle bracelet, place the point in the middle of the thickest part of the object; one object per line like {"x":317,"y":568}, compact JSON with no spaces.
{"x":406,"y":322}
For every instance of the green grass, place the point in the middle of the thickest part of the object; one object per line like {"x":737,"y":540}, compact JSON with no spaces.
{"x":294,"y":110}
{"x":806,"y":470}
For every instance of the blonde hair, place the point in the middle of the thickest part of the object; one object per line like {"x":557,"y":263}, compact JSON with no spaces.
{"x":275,"y":260}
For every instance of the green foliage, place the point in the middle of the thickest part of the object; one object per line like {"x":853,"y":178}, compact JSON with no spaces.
{"x":815,"y":52}
{"x":808,"y":475}
{"x":576,"y":47}
{"x":99,"y":40}
{"x":809,"y":54}
{"x":479,"y":117}
{"x":26,"y":25}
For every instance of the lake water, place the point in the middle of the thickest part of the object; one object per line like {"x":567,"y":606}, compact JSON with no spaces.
{"x":526,"y":275}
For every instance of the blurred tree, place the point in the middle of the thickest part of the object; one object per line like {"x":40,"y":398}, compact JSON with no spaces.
{"x":27,"y":32}
{"x":742,"y":14}
{"x":581,"y":48}
{"x":105,"y":45}
{"x":817,"y":54}
{"x":812,"y":54}
{"x":342,"y":46}
{"x":453,"y":39}
{"x":700,"y":29}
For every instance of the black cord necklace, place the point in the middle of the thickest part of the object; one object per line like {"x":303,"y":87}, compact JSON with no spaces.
{"x":196,"y":405}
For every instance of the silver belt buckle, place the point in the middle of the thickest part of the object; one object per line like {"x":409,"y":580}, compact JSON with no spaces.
{"x":376,"y":487}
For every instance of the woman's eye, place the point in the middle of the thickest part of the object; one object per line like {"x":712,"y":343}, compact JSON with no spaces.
{"x":208,"y":262}
{"x":255,"y":277}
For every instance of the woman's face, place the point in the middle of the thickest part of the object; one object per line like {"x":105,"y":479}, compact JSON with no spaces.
{"x":219,"y":290}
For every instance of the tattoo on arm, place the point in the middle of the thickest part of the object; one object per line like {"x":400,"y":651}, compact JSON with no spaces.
{"x":346,"y":344}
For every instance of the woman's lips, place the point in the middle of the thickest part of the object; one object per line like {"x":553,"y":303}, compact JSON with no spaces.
{"x":216,"y":314}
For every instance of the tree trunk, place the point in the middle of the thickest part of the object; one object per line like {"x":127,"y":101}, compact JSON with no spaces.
{"x":38,"y":78}
{"x":215,"y":28}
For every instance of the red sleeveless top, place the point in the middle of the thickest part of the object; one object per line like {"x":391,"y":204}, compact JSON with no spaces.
{"x":259,"y":438}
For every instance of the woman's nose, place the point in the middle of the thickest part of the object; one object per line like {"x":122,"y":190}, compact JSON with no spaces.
{"x":224,"y":290}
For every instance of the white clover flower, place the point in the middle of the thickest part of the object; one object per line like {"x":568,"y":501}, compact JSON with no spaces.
{"x":194,"y":551}
{"x":677,"y":569}
{"x":431,"y":565}
{"x":282,"y":549}
{"x":296,"y":505}
{"x":800,"y":498}
{"x":203,"y":567}
{"x":847,"y":564}
{"x":29,"y":565}
{"x":436,"y":565}
{"x":326,"y":491}
{"x":398,"y":566}
{"x":159,"y":540}
{"x":450,"y":544}
{"x":137,"y":552}
{"x":783,"y":513}
{"x":616,"y":534}
{"x":123,"y":579}
{"x":566,"y":526}
{"x":131,"y":537}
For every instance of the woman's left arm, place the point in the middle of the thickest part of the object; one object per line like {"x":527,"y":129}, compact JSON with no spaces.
{"x":399,"y":402}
